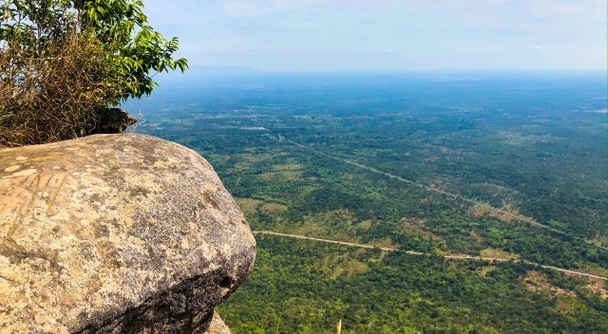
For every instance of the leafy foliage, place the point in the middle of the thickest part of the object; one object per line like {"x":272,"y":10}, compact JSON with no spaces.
{"x":64,"y":60}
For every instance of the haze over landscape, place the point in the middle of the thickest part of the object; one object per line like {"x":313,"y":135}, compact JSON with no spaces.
{"x":321,"y":167}
{"x":406,"y":166}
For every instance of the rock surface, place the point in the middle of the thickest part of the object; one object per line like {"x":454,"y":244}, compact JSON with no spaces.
{"x":116,"y":234}
{"x":217,"y":326}
{"x":114,"y":120}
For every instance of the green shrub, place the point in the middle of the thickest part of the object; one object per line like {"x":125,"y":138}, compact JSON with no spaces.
{"x":63,"y":61}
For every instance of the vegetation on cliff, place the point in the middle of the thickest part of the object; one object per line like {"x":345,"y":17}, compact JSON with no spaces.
{"x":63,"y":62}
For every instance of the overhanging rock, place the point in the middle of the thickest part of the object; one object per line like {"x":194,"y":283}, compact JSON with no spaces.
{"x":116,"y":234}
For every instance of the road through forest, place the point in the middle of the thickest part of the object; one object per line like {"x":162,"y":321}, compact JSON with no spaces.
{"x":439,"y":191}
{"x":449,"y":257}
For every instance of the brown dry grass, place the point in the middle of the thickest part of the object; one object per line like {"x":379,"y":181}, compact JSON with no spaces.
{"x":384,"y":242}
{"x":564,"y":306}
{"x":415,"y":226}
{"x":287,"y":175}
{"x":248,"y":205}
{"x":539,"y":282}
{"x":415,"y":223}
{"x":594,"y":268}
{"x":497,"y":254}
{"x":288,"y":167}
{"x":366,"y":224}
{"x":292,"y":175}
{"x":355,"y":267}
{"x":485,"y":270}
{"x":55,"y":93}
{"x":506,"y":215}
{"x":598,"y":286}
{"x":274,"y":208}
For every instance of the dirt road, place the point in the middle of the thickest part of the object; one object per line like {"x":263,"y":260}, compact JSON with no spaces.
{"x":449,"y":257}
{"x":439,"y":191}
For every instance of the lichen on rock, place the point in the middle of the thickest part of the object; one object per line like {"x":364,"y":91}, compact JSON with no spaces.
{"x":116,"y":234}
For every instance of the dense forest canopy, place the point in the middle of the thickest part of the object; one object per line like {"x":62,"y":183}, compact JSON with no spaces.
{"x":494,"y":167}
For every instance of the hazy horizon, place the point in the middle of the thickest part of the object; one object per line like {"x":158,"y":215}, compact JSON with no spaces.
{"x":388,"y":35}
{"x":204,"y":73}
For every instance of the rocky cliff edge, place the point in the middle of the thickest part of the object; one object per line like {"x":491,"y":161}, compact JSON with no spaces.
{"x":116,"y":234}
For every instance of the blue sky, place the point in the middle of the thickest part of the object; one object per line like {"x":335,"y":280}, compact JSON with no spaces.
{"x":358,"y":35}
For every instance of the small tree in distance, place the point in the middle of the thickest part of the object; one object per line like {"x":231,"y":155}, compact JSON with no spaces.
{"x":63,"y":62}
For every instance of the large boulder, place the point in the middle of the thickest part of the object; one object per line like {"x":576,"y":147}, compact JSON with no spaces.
{"x":116,"y":234}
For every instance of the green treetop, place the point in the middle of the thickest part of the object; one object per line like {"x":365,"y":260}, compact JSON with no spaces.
{"x":62,"y":61}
